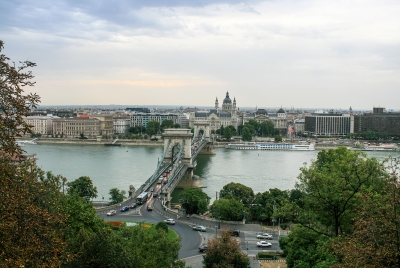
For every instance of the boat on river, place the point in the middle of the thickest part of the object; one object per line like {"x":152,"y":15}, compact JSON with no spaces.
{"x":271,"y":146}
{"x":23,"y":142}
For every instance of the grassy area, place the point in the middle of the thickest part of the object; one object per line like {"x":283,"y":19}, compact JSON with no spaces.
{"x":148,"y":226}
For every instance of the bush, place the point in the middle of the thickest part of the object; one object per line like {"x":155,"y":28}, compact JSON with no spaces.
{"x":163,"y":226}
{"x":284,"y":226}
{"x":267,"y":255}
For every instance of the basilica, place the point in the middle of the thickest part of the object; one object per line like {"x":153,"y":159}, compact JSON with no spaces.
{"x":228,"y":115}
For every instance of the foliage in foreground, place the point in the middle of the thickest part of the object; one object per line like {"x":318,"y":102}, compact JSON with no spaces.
{"x":195,"y":201}
{"x":224,"y":251}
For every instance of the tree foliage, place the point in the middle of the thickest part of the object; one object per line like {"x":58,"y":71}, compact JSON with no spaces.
{"x":332,"y":185}
{"x":152,"y":127}
{"x":83,"y":187}
{"x":237,"y":191}
{"x":224,"y":251}
{"x":246,"y":134}
{"x":227,"y":209}
{"x":195,"y":201}
{"x":116,"y":195}
{"x":375,"y":238}
{"x":167,"y":124}
{"x":163,"y":226}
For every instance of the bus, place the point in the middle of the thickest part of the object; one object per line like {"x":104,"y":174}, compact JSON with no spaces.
{"x":142,"y":198}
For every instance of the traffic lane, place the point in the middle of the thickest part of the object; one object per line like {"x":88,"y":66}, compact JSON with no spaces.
{"x":252,"y":245}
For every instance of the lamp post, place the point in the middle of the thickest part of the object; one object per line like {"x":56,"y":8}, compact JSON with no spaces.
{"x":273,"y":219}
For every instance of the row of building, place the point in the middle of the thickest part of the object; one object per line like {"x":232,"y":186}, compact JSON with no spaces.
{"x":289,"y":122}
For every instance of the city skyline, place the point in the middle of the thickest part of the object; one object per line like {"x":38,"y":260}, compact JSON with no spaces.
{"x":306,"y":53}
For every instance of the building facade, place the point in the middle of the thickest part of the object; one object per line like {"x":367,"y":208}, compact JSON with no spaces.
{"x":106,"y":123}
{"x":227,"y":116}
{"x":41,"y":124}
{"x":378,"y":121}
{"x":142,"y":119}
{"x":75,"y":127}
{"x":329,"y":124}
{"x":122,"y":124}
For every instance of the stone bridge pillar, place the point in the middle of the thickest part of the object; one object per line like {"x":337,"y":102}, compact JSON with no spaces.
{"x":173,"y":138}
{"x":202,"y":125}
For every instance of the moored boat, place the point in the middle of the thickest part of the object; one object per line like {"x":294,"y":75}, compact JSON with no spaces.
{"x":271,"y":146}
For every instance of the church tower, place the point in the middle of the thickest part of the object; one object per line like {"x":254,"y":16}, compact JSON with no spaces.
{"x":234,"y":103}
{"x":227,"y":104}
{"x":216,"y":104}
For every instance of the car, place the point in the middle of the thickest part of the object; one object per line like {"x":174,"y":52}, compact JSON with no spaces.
{"x":155,"y":194}
{"x":199,"y":228}
{"x":149,"y":208}
{"x":133,"y":205}
{"x":124,"y":208}
{"x":234,"y":232}
{"x":111,"y":212}
{"x":169,"y":221}
{"x":177,"y":206}
{"x":264,"y":244}
{"x":264,"y":236}
{"x":203,"y":248}
{"x":152,"y":189}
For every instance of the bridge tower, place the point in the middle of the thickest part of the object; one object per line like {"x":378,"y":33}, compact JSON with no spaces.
{"x":202,"y":125}
{"x":174,"y":137}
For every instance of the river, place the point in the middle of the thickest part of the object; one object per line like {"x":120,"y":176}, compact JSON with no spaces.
{"x":119,"y":167}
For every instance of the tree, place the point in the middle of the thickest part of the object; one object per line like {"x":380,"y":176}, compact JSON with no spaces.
{"x":152,"y":127}
{"x":167,"y":124}
{"x":195,"y":201}
{"x":224,"y":251}
{"x":227,"y":209}
{"x":267,"y":128}
{"x":278,"y":138}
{"x":83,"y":187}
{"x":30,"y":200}
{"x":246,"y":134}
{"x":227,"y":133}
{"x":116,"y":195}
{"x":162,"y":226}
{"x":13,"y":104}
{"x":374,"y":240}
{"x":331,"y":185}
{"x":177,"y":126}
{"x":237,"y":191}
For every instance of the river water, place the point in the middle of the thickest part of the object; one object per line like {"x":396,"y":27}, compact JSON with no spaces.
{"x":119,"y":167}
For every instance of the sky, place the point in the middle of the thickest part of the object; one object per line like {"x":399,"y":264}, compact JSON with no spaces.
{"x":289,"y":53}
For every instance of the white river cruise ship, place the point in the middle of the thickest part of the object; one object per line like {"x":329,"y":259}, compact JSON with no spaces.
{"x":271,"y":146}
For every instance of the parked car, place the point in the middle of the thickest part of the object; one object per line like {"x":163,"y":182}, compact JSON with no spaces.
{"x":264,"y":244}
{"x":169,"y":221}
{"x":203,"y":248}
{"x":111,"y":212}
{"x":234,"y":232}
{"x":264,"y":236}
{"x":133,"y":205}
{"x":199,"y":228}
{"x":149,"y":208}
{"x":124,"y":208}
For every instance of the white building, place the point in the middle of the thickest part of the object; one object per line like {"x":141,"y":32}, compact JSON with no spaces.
{"x":41,"y":124}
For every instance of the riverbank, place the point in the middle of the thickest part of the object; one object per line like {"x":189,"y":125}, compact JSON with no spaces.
{"x":97,"y":142}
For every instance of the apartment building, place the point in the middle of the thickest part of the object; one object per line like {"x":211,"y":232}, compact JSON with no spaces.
{"x":75,"y":127}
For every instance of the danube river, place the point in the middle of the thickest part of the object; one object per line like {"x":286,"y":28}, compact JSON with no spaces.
{"x":119,"y":167}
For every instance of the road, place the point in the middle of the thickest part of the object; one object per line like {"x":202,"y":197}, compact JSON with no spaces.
{"x":191,"y":240}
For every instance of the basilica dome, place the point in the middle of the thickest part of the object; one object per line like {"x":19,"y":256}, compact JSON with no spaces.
{"x":227,"y":99}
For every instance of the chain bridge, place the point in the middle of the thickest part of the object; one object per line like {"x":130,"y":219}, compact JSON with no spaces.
{"x":178,"y":159}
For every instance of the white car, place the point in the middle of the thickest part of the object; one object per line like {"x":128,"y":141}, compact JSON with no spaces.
{"x":264,"y":236}
{"x":111,"y":212}
{"x":264,"y":244}
{"x":199,"y":228}
{"x":169,"y":221}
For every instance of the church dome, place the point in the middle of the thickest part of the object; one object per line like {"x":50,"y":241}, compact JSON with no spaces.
{"x":281,"y":111}
{"x":227,"y":99}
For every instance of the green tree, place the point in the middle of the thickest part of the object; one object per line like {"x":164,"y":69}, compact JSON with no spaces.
{"x":195,"y":201}
{"x":246,"y":134}
{"x":83,"y":187}
{"x":30,"y":200}
{"x":177,"y":126}
{"x":162,"y":225}
{"x":152,"y":128}
{"x":227,"y":133}
{"x":331,"y":185}
{"x":167,"y":124}
{"x":374,"y":240}
{"x":239,"y":192}
{"x":227,"y":209}
{"x":116,"y":195}
{"x":306,"y":249}
{"x":267,"y":128}
{"x":278,"y":138}
{"x":224,"y":251}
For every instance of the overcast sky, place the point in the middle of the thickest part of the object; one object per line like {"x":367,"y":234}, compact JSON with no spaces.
{"x":300,"y":53}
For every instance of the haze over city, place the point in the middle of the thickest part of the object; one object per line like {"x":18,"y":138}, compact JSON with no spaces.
{"x":304,"y":53}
